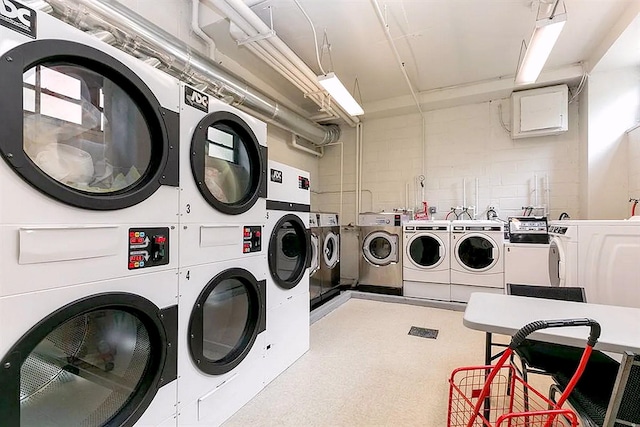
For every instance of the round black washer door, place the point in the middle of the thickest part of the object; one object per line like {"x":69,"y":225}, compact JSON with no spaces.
{"x":97,"y":361}
{"x":476,"y":252}
{"x":225,"y":321}
{"x":425,"y":251}
{"x":82,"y":128}
{"x":227,"y":163}
{"x":288,"y":251}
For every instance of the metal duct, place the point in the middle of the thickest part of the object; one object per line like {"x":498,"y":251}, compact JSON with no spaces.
{"x":136,"y":35}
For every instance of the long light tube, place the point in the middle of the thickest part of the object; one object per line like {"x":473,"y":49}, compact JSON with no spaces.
{"x":542,"y":41}
{"x":340,"y":94}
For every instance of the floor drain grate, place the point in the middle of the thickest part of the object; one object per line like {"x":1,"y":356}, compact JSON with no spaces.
{"x":423,"y":332}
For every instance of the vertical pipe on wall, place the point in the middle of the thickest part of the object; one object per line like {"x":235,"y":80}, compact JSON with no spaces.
{"x":476,"y":208}
{"x":464,"y":193}
{"x":357,"y":169}
{"x":361,"y":138}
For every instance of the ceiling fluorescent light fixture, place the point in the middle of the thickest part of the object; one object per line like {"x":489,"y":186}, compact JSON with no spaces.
{"x":542,"y":41}
{"x":340,"y":94}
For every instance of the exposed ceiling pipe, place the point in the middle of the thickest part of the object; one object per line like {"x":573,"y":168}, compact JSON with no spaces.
{"x":195,"y":27}
{"x":137,"y":35}
{"x":250,"y":23}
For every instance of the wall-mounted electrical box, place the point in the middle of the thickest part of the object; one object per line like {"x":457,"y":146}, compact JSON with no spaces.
{"x":540,"y":112}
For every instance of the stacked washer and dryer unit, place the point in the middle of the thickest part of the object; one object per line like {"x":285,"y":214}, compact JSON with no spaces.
{"x":124,"y":193}
{"x":223,"y":259}
{"x":289,"y":253}
{"x":88,"y":230}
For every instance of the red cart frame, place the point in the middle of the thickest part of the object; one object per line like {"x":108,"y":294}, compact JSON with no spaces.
{"x":495,"y":395}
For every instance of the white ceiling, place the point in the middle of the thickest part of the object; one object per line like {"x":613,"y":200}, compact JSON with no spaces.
{"x":450,"y":48}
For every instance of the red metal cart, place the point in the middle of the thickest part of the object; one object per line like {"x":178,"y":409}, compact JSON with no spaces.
{"x":495,"y":395}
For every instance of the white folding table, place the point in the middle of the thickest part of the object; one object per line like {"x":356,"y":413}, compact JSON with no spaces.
{"x":506,"y":314}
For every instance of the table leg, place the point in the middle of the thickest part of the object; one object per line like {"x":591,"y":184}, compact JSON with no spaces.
{"x":618,"y":389}
{"x":487,"y":361}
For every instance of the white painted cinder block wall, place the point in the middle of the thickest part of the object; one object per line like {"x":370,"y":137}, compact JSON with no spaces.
{"x":462,"y":143}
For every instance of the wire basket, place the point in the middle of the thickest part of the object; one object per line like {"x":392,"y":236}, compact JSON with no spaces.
{"x":510,"y":402}
{"x":488,"y":396}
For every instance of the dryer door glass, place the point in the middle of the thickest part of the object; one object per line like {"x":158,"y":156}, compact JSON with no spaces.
{"x":225,"y":321}
{"x":288,"y":251}
{"x":82,"y":129}
{"x":226,"y":314}
{"x":227,"y":163}
{"x":425,"y":251}
{"x":476,"y":252}
{"x":86,"y":129}
{"x":84,"y":371}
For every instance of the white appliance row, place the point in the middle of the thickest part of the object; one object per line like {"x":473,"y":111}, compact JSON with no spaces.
{"x":448,"y":261}
{"x":135,"y":244}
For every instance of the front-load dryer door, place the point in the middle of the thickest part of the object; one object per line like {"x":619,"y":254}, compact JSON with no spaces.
{"x":228,"y":163}
{"x":331,"y":249}
{"x":288,"y":251}
{"x":477,"y":252}
{"x":82,"y":128}
{"x":380,"y":248}
{"x":557,"y":263}
{"x":426,"y":251}
{"x":225,"y":320}
{"x":98,"y":361}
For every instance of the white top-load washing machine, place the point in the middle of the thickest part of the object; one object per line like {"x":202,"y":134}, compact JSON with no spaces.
{"x":598,"y":255}
{"x":425,"y":260}
{"x":380,"y":268}
{"x":223,"y":258}
{"x":288,"y":300}
{"x":477,"y":261}
{"x":88,"y":229}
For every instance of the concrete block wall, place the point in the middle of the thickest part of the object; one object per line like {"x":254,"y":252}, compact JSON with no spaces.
{"x":463,"y":144}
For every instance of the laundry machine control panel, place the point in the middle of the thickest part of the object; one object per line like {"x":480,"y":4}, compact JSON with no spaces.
{"x":148,"y":247}
{"x":252,"y":239}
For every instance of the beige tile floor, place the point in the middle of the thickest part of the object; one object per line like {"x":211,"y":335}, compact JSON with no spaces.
{"x":363,"y":369}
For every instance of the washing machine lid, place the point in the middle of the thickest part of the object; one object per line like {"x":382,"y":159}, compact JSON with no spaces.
{"x":477,"y":252}
{"x":82,"y":128}
{"x":380,"y":248}
{"x":225,"y":320}
{"x":331,"y":249}
{"x":426,"y":251}
{"x":96,"y":361}
{"x":228,"y":163}
{"x":557,"y":262}
{"x":289,"y":251}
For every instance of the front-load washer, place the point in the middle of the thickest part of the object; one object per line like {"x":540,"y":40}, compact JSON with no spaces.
{"x":287,"y":335}
{"x":221,"y":339}
{"x":95,"y":354}
{"x":315,"y":243}
{"x":223,"y":178}
{"x":599,"y":255}
{"x":476,"y":262}
{"x":380,"y":268}
{"x":330,"y":256}
{"x":425,"y":260}
{"x":89,"y":176}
